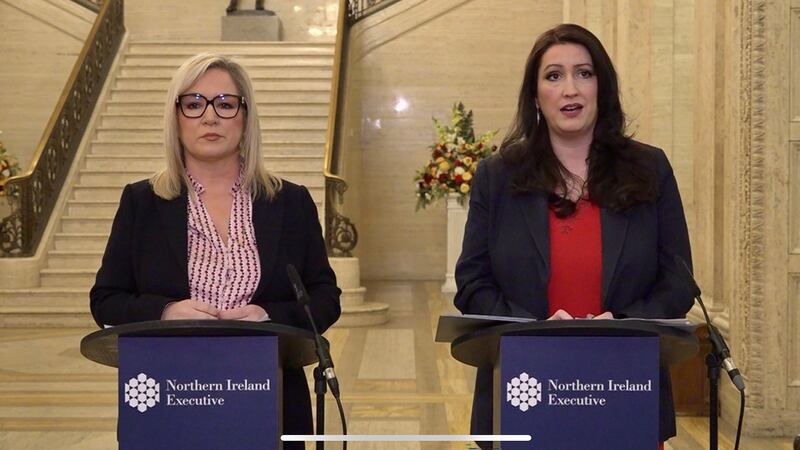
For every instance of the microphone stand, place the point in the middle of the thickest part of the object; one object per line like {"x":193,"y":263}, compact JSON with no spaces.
{"x":714,"y":361}
{"x":323,"y":373}
{"x":320,"y":389}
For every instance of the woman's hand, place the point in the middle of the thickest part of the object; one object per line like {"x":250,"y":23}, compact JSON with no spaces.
{"x":605,"y":316}
{"x":252,"y":313}
{"x":189,"y":310}
{"x":561,"y":315}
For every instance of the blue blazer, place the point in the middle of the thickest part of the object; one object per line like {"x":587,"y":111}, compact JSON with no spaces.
{"x":504,"y":267}
{"x":145,"y":267}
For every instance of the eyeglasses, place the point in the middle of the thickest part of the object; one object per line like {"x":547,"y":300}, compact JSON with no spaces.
{"x":225,"y":105}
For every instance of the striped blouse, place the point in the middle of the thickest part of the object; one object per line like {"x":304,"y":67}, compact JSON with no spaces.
{"x":225,"y":276}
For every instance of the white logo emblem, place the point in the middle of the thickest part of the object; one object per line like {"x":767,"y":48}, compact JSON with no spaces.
{"x":523,"y":392}
{"x":142,"y":392}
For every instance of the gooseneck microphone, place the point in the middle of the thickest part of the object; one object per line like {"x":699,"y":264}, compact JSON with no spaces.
{"x":322,"y":346}
{"x":717,"y":341}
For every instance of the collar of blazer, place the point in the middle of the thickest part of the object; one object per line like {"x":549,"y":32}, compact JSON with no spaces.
{"x":267,"y":223}
{"x":613,"y":230}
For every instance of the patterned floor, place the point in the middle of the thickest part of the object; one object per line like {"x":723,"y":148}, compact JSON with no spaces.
{"x":395,"y":380}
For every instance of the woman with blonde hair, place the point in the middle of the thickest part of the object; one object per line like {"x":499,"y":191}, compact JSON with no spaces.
{"x":210,"y":235}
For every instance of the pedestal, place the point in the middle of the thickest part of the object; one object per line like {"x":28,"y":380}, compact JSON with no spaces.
{"x":456,"y":220}
{"x":251,"y":26}
{"x":355,"y":311}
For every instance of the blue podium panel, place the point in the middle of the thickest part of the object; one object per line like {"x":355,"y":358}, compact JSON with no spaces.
{"x":579,"y":392}
{"x":198,"y":392}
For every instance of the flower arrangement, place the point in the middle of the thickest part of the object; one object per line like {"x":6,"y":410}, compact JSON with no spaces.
{"x":454,"y":159}
{"x":8,"y":165}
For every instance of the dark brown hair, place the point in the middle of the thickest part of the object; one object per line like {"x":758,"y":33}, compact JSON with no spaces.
{"x":620,"y":173}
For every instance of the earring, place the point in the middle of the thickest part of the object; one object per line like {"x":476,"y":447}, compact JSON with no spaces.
{"x":538,"y":116}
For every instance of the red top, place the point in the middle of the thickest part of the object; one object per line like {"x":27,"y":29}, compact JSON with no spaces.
{"x":576,"y":262}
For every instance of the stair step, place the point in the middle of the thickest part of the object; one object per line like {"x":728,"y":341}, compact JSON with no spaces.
{"x":93,"y":225}
{"x":42,"y":297}
{"x":74,"y":259}
{"x":148,"y":121}
{"x":100,"y":193}
{"x":259,"y":84}
{"x":80,"y":241}
{"x":46,"y":317}
{"x":160,"y":96}
{"x":286,"y":163}
{"x":322,"y":70}
{"x":239,"y":48}
{"x":265,"y":109}
{"x":152,"y":134}
{"x":110,"y":178}
{"x":247,"y":61}
{"x":73,"y":278}
{"x":92,"y":208}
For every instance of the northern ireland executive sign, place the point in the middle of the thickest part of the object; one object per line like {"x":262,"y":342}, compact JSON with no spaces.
{"x":580,"y":392}
{"x":198,"y":392}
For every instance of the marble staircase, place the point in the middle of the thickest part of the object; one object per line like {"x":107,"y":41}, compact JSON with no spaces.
{"x":292,"y":83}
{"x":65,"y":16}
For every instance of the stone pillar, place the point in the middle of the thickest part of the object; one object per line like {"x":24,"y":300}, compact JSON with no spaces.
{"x":762,"y":274}
{"x":456,"y":220}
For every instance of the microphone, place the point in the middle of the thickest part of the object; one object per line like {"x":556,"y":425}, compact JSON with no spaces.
{"x":322,"y":346}
{"x":717,"y":341}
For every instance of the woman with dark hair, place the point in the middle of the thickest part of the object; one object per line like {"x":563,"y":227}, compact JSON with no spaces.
{"x":572,"y":218}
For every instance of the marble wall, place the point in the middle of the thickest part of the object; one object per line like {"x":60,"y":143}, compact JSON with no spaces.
{"x":407,"y":64}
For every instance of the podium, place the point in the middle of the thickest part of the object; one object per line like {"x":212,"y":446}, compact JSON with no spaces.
{"x":200,"y":384}
{"x":570,"y":384}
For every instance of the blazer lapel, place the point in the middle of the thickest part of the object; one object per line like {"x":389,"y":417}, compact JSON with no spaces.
{"x":534,"y":208}
{"x":267,"y":223}
{"x":175,"y":218}
{"x":613,"y":229}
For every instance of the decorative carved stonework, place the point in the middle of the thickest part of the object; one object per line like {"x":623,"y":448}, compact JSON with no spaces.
{"x":753,"y":186}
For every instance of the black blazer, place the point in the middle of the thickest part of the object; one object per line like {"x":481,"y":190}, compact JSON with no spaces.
{"x":504,"y":267}
{"x":145,"y":267}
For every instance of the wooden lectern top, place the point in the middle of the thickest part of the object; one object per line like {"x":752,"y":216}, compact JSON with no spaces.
{"x":480,"y":346}
{"x":295,"y":345}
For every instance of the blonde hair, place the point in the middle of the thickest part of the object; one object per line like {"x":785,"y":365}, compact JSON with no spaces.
{"x":169,"y":182}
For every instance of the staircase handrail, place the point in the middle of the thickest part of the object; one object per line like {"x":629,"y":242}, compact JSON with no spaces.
{"x":33,"y":194}
{"x":341,"y":235}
